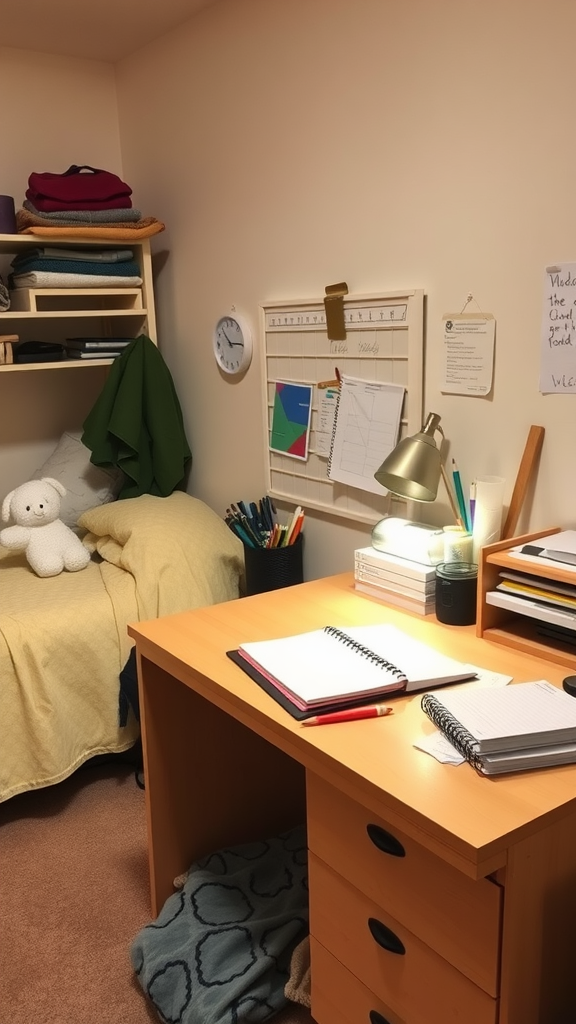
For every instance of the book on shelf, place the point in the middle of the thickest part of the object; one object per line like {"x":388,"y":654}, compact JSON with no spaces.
{"x":324,"y":669}
{"x":420,"y":605}
{"x":97,"y":344}
{"x":104,"y":354}
{"x":540,"y":590}
{"x":524,"y":605}
{"x":6,"y":353}
{"x":7,"y":341}
{"x":559,"y":634}
{"x":507,"y":729}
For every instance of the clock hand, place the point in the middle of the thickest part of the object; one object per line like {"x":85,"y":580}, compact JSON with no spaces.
{"x":233,"y":344}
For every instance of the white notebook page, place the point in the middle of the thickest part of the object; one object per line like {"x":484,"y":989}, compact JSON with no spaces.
{"x":522,"y":711}
{"x":316,"y":666}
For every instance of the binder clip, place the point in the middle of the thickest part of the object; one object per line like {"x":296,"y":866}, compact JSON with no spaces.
{"x":334,"y":306}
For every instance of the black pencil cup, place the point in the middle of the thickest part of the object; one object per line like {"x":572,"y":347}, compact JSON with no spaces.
{"x":272,"y":568}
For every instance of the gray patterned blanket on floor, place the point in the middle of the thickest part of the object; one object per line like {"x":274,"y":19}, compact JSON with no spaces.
{"x":220,"y":949}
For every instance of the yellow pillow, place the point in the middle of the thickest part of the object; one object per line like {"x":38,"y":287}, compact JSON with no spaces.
{"x":180,"y":552}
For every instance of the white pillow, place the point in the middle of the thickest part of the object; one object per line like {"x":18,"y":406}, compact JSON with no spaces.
{"x":86,"y":485}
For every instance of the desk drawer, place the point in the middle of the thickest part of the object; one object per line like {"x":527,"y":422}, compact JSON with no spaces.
{"x":407,"y":975}
{"x":453,"y":914}
{"x":339,"y":998}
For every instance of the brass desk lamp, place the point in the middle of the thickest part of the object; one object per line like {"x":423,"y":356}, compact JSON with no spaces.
{"x":413,"y":468}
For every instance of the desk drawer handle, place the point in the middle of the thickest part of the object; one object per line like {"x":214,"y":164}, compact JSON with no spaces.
{"x":385,"y":841}
{"x":385,"y":938}
{"x":377,"y":1018}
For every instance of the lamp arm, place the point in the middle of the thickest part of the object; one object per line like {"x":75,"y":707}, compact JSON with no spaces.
{"x":451,"y":498}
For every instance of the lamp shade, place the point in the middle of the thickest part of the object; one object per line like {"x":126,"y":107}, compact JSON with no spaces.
{"x":413,"y":467}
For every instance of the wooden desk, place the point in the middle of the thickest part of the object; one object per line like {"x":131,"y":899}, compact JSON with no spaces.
{"x":484,"y":898}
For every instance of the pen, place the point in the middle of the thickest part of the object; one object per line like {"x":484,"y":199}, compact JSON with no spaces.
{"x":350,"y":715}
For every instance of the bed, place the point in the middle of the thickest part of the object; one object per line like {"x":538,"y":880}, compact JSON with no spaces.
{"x":63,"y":639}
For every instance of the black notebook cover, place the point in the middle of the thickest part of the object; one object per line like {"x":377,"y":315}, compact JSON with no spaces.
{"x":285,"y":702}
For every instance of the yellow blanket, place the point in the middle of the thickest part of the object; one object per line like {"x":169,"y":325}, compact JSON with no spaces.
{"x":63,"y":639}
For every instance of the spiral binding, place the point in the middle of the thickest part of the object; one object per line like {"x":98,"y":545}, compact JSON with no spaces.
{"x":459,"y":737}
{"x":331,"y":452}
{"x":366,"y":652}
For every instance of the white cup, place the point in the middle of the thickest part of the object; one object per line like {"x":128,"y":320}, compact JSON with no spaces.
{"x":490,"y":492}
{"x":488,"y":510}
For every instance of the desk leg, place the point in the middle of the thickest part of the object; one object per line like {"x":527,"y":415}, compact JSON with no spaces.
{"x":537,"y":985}
{"x":210,"y":780}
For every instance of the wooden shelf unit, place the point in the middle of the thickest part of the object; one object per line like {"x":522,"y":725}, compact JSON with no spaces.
{"x":506,"y":627}
{"x":37,"y":314}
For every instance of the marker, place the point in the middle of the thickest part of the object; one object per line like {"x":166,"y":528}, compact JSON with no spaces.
{"x":350,"y":715}
{"x":472,"y":503}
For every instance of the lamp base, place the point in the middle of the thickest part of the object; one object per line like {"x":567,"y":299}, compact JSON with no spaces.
{"x":417,"y":542}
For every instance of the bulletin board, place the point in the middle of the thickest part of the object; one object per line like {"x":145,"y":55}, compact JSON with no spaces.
{"x":384,"y":343}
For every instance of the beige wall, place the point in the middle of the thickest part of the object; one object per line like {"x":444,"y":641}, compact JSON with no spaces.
{"x":56,"y":111}
{"x":418,"y":144}
{"x":290,"y":145}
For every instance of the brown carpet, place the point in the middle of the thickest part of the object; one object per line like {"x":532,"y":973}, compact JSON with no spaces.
{"x":73,"y":893}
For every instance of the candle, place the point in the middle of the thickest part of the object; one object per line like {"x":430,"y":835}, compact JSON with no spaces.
{"x":457,"y":544}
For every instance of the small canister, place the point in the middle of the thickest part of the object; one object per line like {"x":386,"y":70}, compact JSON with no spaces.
{"x":456,"y":586}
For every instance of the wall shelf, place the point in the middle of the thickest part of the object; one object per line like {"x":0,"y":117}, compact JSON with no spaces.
{"x":37,"y":313}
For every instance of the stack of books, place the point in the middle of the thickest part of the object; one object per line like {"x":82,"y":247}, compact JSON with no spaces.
{"x":398,"y":581}
{"x":511,"y":729}
{"x":95,"y":348}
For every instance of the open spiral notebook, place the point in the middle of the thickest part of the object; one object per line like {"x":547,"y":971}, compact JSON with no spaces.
{"x":333,"y":667}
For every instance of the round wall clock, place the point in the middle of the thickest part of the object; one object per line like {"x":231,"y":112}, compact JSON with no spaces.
{"x":233,"y":344}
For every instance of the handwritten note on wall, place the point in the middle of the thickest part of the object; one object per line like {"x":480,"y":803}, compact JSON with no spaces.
{"x":558,"y":342}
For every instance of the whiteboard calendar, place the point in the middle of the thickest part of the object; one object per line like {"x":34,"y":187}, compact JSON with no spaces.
{"x":384,"y":343}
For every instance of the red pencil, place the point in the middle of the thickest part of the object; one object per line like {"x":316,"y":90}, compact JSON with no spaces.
{"x":350,"y":715}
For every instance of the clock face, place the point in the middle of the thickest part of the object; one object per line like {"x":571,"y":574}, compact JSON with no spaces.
{"x":232,"y":344}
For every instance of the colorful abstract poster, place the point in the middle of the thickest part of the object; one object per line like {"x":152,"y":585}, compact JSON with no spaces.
{"x":291,"y":419}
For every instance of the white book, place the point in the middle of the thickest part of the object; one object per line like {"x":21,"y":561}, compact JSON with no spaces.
{"x":332,"y":665}
{"x":393,"y":563}
{"x":408,"y":604}
{"x":499,"y":721}
{"x":418,"y":589}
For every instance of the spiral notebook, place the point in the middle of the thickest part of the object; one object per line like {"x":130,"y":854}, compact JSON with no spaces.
{"x":527,"y":725}
{"x":331,"y":667}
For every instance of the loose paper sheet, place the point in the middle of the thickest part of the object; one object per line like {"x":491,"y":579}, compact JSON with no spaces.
{"x":468,"y":354}
{"x":558,"y":341}
{"x":436,"y":743}
{"x":366,"y":429}
{"x":327,"y":401}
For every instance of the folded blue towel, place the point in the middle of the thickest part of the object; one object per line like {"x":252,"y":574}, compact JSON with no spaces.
{"x":123,"y":268}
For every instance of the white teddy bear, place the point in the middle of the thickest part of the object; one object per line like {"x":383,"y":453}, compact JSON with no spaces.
{"x":50,"y":545}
